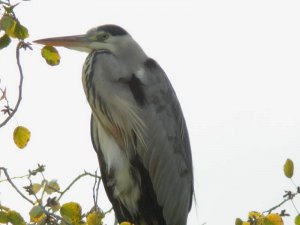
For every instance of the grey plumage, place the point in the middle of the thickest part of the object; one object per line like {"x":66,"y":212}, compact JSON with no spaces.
{"x":137,"y":128}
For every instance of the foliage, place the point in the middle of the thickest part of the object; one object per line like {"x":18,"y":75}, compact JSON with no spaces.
{"x":21,"y":136}
{"x":268,"y":217}
{"x":288,"y":168}
{"x":51,"y":55}
{"x":45,"y":198}
{"x":11,"y":28}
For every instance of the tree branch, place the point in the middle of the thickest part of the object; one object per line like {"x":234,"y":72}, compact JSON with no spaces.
{"x":20,"y":45}
{"x":75,"y":180}
{"x":14,"y":178}
{"x":289,"y":196}
{"x":96,"y":190}
{"x":14,"y":186}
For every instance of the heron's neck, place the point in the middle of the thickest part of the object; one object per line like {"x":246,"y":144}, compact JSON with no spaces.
{"x":132,"y":54}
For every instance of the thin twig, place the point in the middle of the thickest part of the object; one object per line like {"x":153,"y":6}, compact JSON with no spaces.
{"x":54,"y":215}
{"x":290,"y":196}
{"x":20,"y":45}
{"x":14,"y":178}
{"x":74,"y":181}
{"x":14,"y":186}
{"x":38,"y":200}
{"x":96,"y":190}
{"x":293,"y":183}
{"x":6,"y":100}
{"x":108,"y":211}
{"x":294,"y":206}
{"x":276,"y":206}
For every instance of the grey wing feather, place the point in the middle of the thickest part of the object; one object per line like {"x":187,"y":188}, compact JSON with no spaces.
{"x":168,"y":155}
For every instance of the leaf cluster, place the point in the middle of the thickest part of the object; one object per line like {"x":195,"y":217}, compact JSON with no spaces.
{"x":11,"y":28}
{"x":268,"y":217}
{"x":45,"y":198}
{"x":10,"y":25}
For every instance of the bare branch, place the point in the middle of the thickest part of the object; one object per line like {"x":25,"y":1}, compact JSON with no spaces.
{"x":75,"y":180}
{"x":108,"y":211}
{"x":14,"y":178}
{"x":289,"y":196}
{"x":20,"y":45}
{"x":96,"y":190}
{"x":14,"y":186}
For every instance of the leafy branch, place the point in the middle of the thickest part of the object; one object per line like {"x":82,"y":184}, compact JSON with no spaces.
{"x":14,"y":186}
{"x":76,"y":179}
{"x":268,"y":217}
{"x":46,"y":211}
{"x":12,"y":28}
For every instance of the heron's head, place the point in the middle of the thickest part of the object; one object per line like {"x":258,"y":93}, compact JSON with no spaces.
{"x":107,"y":37}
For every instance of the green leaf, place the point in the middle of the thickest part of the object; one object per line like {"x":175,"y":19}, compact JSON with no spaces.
{"x":297,"y":220}
{"x":238,"y":221}
{"x":36,"y":214}
{"x":21,"y":32}
{"x":21,"y":136}
{"x":51,"y":55}
{"x":288,"y":168}
{"x":95,"y":218}
{"x":35,"y":188}
{"x":3,"y":217}
{"x":4,"y":41}
{"x":15,"y":218}
{"x":71,"y":212}
{"x":52,"y":186}
{"x":7,"y":23}
{"x":13,"y":28}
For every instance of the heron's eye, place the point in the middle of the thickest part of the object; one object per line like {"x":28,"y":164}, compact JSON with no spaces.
{"x":102,"y":37}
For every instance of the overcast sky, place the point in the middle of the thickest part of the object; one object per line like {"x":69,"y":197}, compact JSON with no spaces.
{"x":234,"y":66}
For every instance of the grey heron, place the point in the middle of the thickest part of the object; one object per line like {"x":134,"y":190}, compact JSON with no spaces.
{"x":137,"y":128}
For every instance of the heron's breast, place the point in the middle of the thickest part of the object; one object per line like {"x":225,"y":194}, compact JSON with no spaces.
{"x":126,"y":187}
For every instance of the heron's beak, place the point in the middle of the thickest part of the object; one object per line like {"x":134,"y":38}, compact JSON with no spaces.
{"x":76,"y":42}
{"x":66,"y":41}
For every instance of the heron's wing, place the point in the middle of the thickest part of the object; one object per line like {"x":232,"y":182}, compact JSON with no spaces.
{"x":168,"y":155}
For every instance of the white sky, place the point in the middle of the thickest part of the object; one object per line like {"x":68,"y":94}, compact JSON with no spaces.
{"x":234,"y":66}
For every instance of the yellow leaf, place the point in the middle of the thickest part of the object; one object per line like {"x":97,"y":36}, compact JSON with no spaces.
{"x":36,"y":214}
{"x":13,"y":28}
{"x":255,"y":215}
{"x":95,"y":218}
{"x":35,"y":188}
{"x":3,"y":217}
{"x":20,"y":31}
{"x":246,"y":223}
{"x":288,"y":168}
{"x":21,"y":136}
{"x":51,"y":186}
{"x":71,"y":212}
{"x":238,"y":221}
{"x":273,"y":219}
{"x":51,"y":55}
{"x":126,"y":223}
{"x":297,"y":220}
{"x":8,"y":24}
{"x":15,"y":218}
